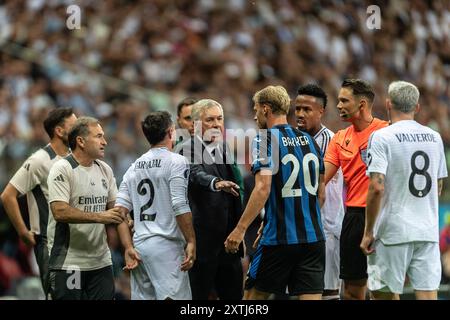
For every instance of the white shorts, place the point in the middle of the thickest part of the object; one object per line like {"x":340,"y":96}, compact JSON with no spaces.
{"x":158,"y":276}
{"x":331,"y":279}
{"x":389,"y":264}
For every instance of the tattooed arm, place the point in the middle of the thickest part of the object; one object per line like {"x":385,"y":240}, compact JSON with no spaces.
{"x":374,"y":195}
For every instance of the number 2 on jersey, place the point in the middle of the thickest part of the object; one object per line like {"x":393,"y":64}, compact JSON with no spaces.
{"x":142,"y":190}
{"x":311,"y":186}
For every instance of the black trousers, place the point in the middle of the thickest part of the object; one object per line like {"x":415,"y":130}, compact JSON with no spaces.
{"x":222,"y":274}
{"x":82,"y":285}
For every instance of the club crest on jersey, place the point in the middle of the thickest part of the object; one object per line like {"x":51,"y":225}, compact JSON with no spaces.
{"x":104,"y":184}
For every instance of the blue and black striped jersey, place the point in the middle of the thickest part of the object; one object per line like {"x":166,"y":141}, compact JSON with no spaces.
{"x":295,"y":162}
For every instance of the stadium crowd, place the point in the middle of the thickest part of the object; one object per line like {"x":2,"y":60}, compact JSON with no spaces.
{"x":132,"y":57}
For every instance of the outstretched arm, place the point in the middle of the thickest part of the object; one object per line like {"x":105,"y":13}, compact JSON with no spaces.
{"x":257,"y":200}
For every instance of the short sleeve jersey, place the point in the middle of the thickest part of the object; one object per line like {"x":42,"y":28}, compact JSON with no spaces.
{"x":155,"y":189}
{"x":348,"y":150}
{"x":412,"y":159}
{"x":292,"y":212}
{"x":89,"y":189}
{"x":31,"y":179}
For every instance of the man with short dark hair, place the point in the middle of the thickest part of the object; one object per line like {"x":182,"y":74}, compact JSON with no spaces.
{"x":154,"y":188}
{"x":82,"y":191}
{"x":310,"y":105}
{"x":184,"y":118}
{"x":348,"y":151}
{"x":31,"y":179}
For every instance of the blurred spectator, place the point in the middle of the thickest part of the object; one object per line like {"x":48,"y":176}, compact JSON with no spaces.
{"x":444,"y":244}
{"x":130,"y":57}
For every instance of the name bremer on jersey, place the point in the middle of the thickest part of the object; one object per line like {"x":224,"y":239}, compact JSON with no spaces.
{"x":92,"y":203}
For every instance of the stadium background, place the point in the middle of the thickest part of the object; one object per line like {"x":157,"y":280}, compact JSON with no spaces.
{"x":131,"y":57}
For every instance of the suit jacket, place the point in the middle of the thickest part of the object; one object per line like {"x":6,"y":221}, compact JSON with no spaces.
{"x":215,"y":214}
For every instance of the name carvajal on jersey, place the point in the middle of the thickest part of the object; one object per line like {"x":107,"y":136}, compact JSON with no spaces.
{"x":415,"y":137}
{"x":92,"y":203}
{"x":154,"y":163}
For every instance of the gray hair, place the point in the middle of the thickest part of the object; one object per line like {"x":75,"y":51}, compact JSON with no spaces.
{"x":200,"y":106}
{"x":404,"y":96}
{"x":80,"y":129}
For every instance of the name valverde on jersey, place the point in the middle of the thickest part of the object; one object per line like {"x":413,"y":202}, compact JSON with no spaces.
{"x":409,"y":209}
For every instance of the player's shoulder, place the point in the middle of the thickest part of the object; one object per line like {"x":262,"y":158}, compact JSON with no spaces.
{"x":382,"y":134}
{"x":296,"y":131}
{"x":176,"y":164}
{"x":324,"y":132}
{"x":379,"y":124}
{"x":384,"y":131}
{"x":437,"y":136}
{"x":61,"y":165}
{"x":102,"y":164}
{"x":42,"y":155}
{"x":176,"y":158}
{"x":341,"y":134}
{"x":428,"y":130}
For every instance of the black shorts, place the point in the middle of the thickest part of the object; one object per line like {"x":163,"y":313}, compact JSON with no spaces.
{"x":82,"y":285}
{"x":353,"y":265}
{"x":299,"y":267}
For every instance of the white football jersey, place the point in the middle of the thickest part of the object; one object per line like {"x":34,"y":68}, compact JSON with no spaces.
{"x":332,"y":210}
{"x":155,"y":189}
{"x":411,"y":157}
{"x":31,"y":179}
{"x":80,"y":245}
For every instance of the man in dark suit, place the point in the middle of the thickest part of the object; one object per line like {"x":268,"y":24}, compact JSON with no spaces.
{"x":215,"y":203}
